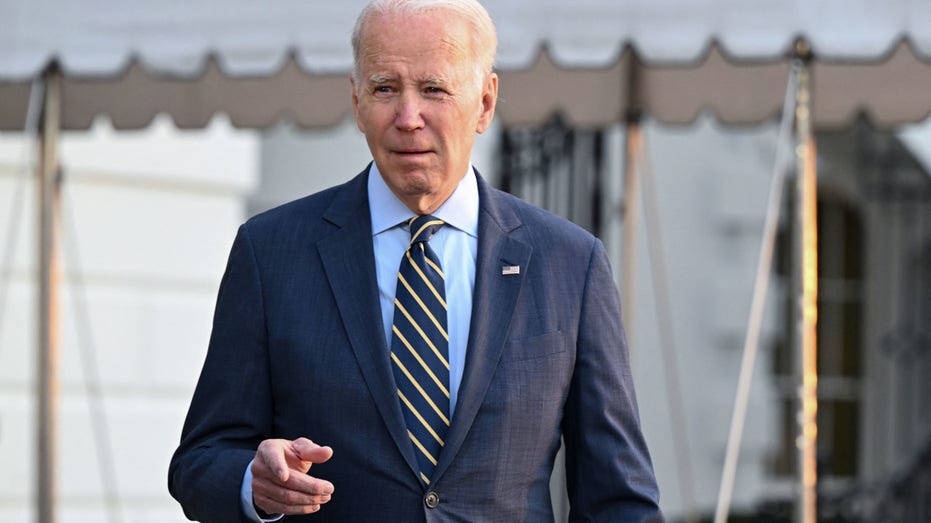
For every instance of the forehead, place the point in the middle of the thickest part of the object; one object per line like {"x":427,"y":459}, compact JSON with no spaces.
{"x":433,"y":39}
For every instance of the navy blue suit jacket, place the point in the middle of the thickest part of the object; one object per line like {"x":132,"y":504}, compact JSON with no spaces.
{"x":298,"y":350}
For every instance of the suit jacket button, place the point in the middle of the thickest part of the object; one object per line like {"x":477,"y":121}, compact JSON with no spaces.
{"x":432,"y":500}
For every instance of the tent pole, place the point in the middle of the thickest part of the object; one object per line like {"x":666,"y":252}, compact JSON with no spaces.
{"x":805,"y":266}
{"x":49,"y":219}
{"x":633,"y":154}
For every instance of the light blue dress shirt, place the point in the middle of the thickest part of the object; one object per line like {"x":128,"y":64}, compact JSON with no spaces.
{"x":455,"y":244}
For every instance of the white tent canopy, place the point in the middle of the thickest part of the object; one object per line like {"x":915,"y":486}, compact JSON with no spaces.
{"x":263,"y":61}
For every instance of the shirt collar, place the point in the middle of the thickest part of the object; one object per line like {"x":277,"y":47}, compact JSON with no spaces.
{"x":460,"y":210}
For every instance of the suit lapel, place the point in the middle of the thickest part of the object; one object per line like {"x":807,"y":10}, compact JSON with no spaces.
{"x":349,"y":261}
{"x":494,"y":298}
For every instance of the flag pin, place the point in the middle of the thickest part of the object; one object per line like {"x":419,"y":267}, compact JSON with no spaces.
{"x":509,"y":270}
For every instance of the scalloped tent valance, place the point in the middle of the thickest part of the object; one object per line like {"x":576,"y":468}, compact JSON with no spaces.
{"x":260,"y":62}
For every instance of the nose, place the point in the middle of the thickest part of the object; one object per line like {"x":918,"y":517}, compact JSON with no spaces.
{"x":408,"y":116}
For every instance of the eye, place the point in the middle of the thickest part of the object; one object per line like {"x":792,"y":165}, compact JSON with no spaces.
{"x":433,"y":90}
{"x":382,"y":89}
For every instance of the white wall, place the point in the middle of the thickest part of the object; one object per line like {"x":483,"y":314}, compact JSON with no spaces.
{"x":148,"y":220}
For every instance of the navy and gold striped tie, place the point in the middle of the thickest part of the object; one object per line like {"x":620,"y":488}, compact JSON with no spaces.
{"x":420,"y":345}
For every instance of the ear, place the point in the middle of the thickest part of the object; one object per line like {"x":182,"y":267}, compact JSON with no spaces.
{"x":489,"y":101}
{"x":355,"y":102}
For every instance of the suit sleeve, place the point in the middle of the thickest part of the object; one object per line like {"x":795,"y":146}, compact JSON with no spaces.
{"x":608,"y":468}
{"x":231,"y":411}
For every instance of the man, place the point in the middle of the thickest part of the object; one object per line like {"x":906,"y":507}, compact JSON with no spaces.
{"x":342,"y":388}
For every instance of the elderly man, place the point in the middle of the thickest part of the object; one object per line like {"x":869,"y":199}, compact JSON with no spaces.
{"x":413,"y":345}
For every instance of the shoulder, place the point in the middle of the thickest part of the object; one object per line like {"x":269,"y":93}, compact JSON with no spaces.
{"x":537,"y":226}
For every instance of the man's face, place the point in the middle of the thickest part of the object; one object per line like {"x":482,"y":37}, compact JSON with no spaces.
{"x":419,"y":103}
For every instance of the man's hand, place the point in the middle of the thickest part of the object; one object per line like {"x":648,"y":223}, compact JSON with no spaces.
{"x":280,"y":484}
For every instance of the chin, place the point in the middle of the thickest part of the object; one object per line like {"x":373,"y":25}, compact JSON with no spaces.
{"x":418,"y":186}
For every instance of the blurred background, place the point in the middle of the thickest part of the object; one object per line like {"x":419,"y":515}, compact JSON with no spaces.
{"x":659,"y":125}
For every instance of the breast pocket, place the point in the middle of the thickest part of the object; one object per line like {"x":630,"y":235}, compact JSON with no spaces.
{"x":526,"y":397}
{"x":538,"y":369}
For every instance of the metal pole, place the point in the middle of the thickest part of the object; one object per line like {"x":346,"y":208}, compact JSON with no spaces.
{"x":806,"y":289}
{"x":48,"y":313}
{"x":633,"y":155}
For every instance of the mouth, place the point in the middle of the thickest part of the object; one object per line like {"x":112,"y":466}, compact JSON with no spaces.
{"x":412,"y":152}
{"x":416,"y":156}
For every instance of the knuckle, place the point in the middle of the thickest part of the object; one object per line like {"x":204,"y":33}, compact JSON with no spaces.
{"x":291,"y":498}
{"x":262,"y":488}
{"x":267,"y":504}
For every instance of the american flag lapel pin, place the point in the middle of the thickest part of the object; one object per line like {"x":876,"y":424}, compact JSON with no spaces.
{"x":510,"y":270}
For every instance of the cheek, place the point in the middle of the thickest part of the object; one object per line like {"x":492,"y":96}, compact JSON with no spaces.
{"x":359,"y":115}
{"x":374,"y":117}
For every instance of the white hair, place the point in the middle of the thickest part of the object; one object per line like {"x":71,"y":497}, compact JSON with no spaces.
{"x":484,"y":40}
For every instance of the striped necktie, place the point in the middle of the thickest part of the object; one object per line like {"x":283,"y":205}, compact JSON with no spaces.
{"x":420,"y":345}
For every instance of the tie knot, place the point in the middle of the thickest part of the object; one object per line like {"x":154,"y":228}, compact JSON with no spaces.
{"x":424,"y":227}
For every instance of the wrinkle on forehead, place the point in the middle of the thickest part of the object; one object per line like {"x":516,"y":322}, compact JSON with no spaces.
{"x":377,"y":55}
{"x":454,"y":40}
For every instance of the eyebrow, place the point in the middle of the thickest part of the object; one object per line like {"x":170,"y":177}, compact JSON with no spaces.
{"x":435,"y":80}
{"x":379,"y":79}
{"x":432,"y":80}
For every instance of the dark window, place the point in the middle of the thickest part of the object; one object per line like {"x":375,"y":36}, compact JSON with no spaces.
{"x":840,"y":351}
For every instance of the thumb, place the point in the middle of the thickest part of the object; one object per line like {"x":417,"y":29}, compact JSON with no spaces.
{"x":309,"y":452}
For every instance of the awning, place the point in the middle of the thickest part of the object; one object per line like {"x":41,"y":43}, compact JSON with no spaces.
{"x":590,"y":60}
